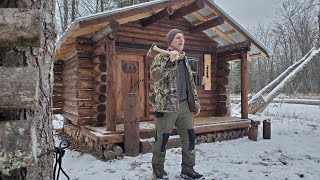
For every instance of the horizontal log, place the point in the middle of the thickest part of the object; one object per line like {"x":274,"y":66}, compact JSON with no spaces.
{"x":70,"y":109}
{"x":222,"y":72}
{"x":69,"y":95}
{"x":84,"y":47}
{"x":221,"y":97}
{"x":72,"y":103}
{"x":57,"y":89}
{"x":100,"y":108}
{"x":100,"y":67}
{"x":57,"y":111}
{"x":20,"y":27}
{"x":102,"y":88}
{"x":222,"y":80}
{"x":85,"y":64}
{"x":18,"y":87}
{"x":220,"y":89}
{"x":100,"y":59}
{"x":85,"y":112}
{"x":155,"y":17}
{"x":230,"y":57}
{"x":229,"y":49}
{"x":85,"y":73}
{"x":111,"y":27}
{"x":99,"y":119}
{"x":57,"y":99}
{"x":100,"y":98}
{"x":221,"y":111}
{"x":216,"y":21}
{"x":76,"y":120}
{"x":101,"y":78}
{"x":85,"y":84}
{"x":199,"y":4}
{"x":223,"y":65}
{"x":58,"y":105}
{"x":158,"y":38}
{"x":85,"y":103}
{"x":162,"y":31}
{"x":85,"y":94}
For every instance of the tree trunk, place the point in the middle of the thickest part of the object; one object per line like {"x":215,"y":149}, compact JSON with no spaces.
{"x":41,"y":59}
{"x":65,"y":16}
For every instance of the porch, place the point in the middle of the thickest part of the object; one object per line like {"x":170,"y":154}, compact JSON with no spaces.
{"x":207,"y":129}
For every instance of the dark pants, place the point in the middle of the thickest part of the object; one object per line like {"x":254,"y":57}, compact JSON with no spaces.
{"x":183,"y":122}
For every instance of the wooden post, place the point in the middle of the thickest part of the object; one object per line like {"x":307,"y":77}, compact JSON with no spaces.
{"x":131,"y":125}
{"x":267,"y":129}
{"x":253,"y":130}
{"x":244,"y":85}
{"x":112,"y":66}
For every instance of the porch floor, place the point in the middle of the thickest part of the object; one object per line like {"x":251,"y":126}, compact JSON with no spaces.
{"x":202,"y":125}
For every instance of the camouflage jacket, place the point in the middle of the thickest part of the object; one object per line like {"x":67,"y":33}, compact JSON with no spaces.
{"x":166,"y":94}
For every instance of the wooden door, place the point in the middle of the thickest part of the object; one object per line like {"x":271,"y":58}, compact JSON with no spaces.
{"x":131,"y":80}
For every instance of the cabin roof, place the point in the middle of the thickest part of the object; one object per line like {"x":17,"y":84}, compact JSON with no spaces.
{"x":230,"y":32}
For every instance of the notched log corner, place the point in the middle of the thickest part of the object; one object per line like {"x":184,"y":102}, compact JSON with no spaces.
{"x":20,"y":27}
{"x":18,"y":87}
{"x":18,"y":145}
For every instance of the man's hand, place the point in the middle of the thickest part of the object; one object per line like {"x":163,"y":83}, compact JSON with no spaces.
{"x":174,"y":55}
{"x":197,"y":113}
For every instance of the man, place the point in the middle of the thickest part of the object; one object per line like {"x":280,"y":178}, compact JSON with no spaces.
{"x":174,"y":100}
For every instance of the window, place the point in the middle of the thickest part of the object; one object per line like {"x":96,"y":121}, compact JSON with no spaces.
{"x":194,"y":64}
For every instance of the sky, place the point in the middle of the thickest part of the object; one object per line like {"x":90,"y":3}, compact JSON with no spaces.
{"x":292,"y":153}
{"x":250,"y":13}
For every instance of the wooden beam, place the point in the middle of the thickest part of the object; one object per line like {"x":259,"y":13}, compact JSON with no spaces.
{"x":230,"y":57}
{"x":111,"y":27}
{"x":199,"y":4}
{"x":245,"y":45}
{"x":132,"y":12}
{"x":244,"y":85}
{"x":18,"y":87}
{"x":20,"y":27}
{"x":237,"y":28}
{"x":112,"y":65}
{"x":207,"y":25}
{"x":214,"y":29}
{"x":158,"y":16}
{"x":87,"y":30}
{"x":131,"y":125}
{"x":225,"y":33}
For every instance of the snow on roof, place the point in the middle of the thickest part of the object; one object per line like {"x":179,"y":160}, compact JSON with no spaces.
{"x":239,"y":34}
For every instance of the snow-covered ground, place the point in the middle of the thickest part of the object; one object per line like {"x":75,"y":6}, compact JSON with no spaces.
{"x":292,"y":153}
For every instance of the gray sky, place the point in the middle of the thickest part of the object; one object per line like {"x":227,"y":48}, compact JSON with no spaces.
{"x":250,"y":13}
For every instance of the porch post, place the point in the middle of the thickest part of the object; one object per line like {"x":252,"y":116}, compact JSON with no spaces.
{"x":131,"y":125}
{"x":244,"y":85}
{"x":112,"y":66}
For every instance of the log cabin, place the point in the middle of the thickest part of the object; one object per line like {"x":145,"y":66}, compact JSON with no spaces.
{"x":101,"y":72}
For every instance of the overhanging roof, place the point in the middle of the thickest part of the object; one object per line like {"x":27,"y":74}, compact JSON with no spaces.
{"x":230,"y":32}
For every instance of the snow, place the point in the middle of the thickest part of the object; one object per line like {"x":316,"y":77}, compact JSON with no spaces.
{"x":291,"y":154}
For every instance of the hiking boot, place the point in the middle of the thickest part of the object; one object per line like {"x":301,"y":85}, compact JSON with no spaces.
{"x":189,"y":173}
{"x":159,"y":172}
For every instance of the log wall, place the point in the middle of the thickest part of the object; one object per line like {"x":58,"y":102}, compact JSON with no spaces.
{"x":57,"y":97}
{"x":196,"y":46}
{"x":74,"y":84}
{"x":84,"y":75}
{"x":221,"y":87}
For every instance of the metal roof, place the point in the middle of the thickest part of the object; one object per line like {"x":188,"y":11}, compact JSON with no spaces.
{"x":225,"y":34}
